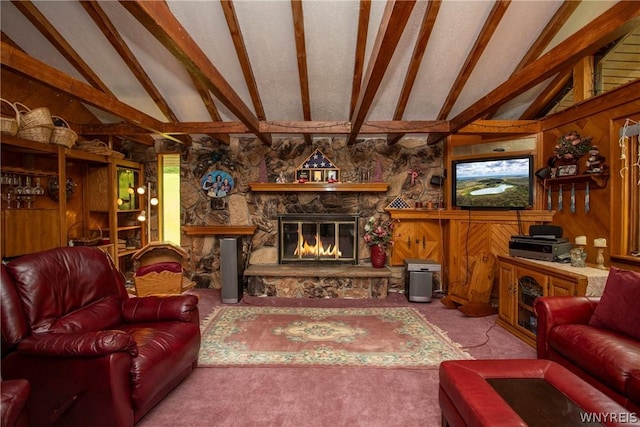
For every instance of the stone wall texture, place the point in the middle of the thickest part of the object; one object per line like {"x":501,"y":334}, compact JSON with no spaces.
{"x":245,"y":160}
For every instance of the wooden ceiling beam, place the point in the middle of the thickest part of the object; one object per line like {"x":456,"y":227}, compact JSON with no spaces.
{"x":428,"y":21}
{"x":361,"y":45}
{"x":301,"y":54}
{"x":394,"y":20}
{"x":157,"y":18}
{"x":38,"y":20}
{"x":489,"y":27}
{"x":480,"y":127}
{"x":615,"y":22}
{"x":105,"y":25}
{"x":243,"y":56}
{"x":23,"y":64}
{"x":281,"y":127}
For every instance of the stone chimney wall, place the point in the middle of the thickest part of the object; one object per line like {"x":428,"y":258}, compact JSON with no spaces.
{"x":245,"y":158}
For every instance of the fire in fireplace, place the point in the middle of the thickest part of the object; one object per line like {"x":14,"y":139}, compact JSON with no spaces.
{"x":318,"y":238}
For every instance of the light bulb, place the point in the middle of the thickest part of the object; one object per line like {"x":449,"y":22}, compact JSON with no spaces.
{"x":142,"y":217}
{"x":154,"y":201}
{"x":119,"y":202}
{"x":141,"y":190}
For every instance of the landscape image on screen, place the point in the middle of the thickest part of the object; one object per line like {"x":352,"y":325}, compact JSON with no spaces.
{"x":499,"y":184}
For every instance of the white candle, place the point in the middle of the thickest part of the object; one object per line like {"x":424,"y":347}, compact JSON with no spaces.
{"x":600,"y":243}
{"x":581,"y":240}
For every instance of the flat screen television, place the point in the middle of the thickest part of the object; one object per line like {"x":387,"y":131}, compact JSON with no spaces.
{"x":493,"y":183}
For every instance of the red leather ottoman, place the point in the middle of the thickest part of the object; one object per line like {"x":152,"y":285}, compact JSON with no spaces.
{"x":476,"y":392}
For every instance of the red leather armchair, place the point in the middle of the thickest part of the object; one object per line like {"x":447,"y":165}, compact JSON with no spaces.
{"x":608,"y":360}
{"x":92,"y":355}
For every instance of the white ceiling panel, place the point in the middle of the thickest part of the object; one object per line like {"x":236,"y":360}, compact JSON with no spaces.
{"x":330,"y":32}
{"x":206,"y":23}
{"x":268,"y":30}
{"x":98,"y":54}
{"x":520,"y":26}
{"x":456,"y":29}
{"x":384,"y":104}
{"x":22,"y":32}
{"x":165,"y":71}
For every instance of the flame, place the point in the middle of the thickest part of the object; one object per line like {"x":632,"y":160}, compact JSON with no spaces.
{"x":305,"y":249}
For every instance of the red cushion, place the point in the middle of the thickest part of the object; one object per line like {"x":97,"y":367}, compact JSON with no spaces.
{"x":618,"y":308}
{"x":173,"y":267}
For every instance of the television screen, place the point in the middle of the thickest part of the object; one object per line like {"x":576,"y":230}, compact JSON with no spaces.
{"x":495,"y":183}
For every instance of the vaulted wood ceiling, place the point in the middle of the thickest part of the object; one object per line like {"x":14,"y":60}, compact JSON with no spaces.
{"x":180,"y":69}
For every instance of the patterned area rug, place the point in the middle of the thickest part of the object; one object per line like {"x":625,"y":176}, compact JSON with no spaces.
{"x":277,"y":336}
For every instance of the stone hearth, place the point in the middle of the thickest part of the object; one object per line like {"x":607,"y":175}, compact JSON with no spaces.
{"x":317,"y":281}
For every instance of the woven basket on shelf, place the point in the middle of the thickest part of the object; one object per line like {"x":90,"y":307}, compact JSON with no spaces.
{"x":40,"y":116}
{"x":38,"y":134}
{"x":35,"y":124}
{"x":63,"y":135}
{"x":96,"y":147}
{"x":9,"y":125}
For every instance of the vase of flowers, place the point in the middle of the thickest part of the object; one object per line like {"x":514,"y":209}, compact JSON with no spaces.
{"x":378,"y":235}
{"x":571,"y":147}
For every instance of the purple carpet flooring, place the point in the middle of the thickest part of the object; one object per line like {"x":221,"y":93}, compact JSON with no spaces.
{"x":327,"y":396}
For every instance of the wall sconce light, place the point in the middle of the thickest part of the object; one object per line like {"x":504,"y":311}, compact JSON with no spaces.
{"x":142,"y":217}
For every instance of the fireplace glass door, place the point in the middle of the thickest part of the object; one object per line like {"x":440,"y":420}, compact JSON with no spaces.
{"x":306,"y":238}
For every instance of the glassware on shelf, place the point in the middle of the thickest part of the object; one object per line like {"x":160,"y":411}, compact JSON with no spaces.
{"x":19,"y":191}
{"x":38,"y":190}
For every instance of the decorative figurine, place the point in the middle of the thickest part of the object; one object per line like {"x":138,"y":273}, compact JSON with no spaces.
{"x":595,"y":162}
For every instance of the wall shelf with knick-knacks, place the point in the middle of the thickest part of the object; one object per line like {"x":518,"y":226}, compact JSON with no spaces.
{"x":594,"y":181}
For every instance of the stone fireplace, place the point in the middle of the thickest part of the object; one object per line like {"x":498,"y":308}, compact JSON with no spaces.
{"x":325,"y":238}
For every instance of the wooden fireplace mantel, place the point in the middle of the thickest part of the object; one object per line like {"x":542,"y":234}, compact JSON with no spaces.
{"x":219,"y":230}
{"x":352,"y":187}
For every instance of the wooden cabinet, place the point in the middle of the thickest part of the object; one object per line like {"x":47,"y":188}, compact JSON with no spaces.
{"x":521,"y":281}
{"x":32,"y":222}
{"x":86,"y":207}
{"x":416,"y":239}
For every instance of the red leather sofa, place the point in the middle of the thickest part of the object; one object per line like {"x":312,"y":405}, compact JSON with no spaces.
{"x":13,"y":403}
{"x":92,"y":355}
{"x":597,"y":338}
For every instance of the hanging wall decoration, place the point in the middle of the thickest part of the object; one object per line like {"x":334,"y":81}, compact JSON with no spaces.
{"x":317,"y":168}
{"x":217,"y":183}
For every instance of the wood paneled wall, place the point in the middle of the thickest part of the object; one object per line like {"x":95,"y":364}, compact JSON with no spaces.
{"x":601,"y":119}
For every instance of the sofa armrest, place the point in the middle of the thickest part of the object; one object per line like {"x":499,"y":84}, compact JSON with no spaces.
{"x":183,"y":308}
{"x":553,"y":311}
{"x":83,"y":344}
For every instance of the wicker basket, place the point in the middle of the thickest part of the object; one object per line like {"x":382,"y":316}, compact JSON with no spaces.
{"x":40,"y":116}
{"x":96,"y":147}
{"x":9,"y":125}
{"x":38,"y":134}
{"x":63,"y":135}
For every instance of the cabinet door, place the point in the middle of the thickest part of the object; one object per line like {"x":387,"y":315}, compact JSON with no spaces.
{"x":403,"y":247}
{"x":28,"y":231}
{"x":506,"y":293}
{"x":530,"y":285}
{"x":427,"y":241}
{"x":561,"y":287}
